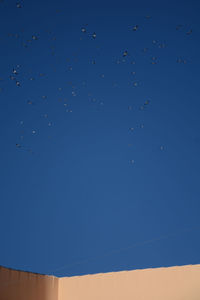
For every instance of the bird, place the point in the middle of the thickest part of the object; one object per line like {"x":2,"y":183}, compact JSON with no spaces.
{"x":135,"y":28}
{"x":125,"y":53}
{"x":94,"y":35}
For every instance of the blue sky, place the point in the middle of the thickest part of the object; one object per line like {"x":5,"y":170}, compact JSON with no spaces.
{"x":99,"y":135}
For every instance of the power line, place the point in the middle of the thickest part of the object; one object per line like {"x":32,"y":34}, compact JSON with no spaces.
{"x":118,"y":250}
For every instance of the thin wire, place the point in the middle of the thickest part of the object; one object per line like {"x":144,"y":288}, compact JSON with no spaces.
{"x":118,"y":250}
{"x":110,"y":253}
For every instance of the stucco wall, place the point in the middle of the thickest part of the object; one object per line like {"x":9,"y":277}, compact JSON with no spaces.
{"x":175,"y":283}
{"x":17,"y":285}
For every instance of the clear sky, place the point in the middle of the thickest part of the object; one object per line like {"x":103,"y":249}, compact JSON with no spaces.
{"x":100,"y":135}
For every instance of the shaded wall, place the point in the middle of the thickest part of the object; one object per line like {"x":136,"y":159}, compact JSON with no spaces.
{"x":17,"y":285}
{"x":175,"y":283}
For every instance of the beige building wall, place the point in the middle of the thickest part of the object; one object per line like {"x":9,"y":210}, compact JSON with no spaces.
{"x":18,"y":285}
{"x":174,"y":283}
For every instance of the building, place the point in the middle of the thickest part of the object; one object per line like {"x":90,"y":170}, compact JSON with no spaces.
{"x":173,"y":283}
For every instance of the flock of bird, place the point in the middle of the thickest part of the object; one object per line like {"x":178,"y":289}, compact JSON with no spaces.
{"x":15,"y":77}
